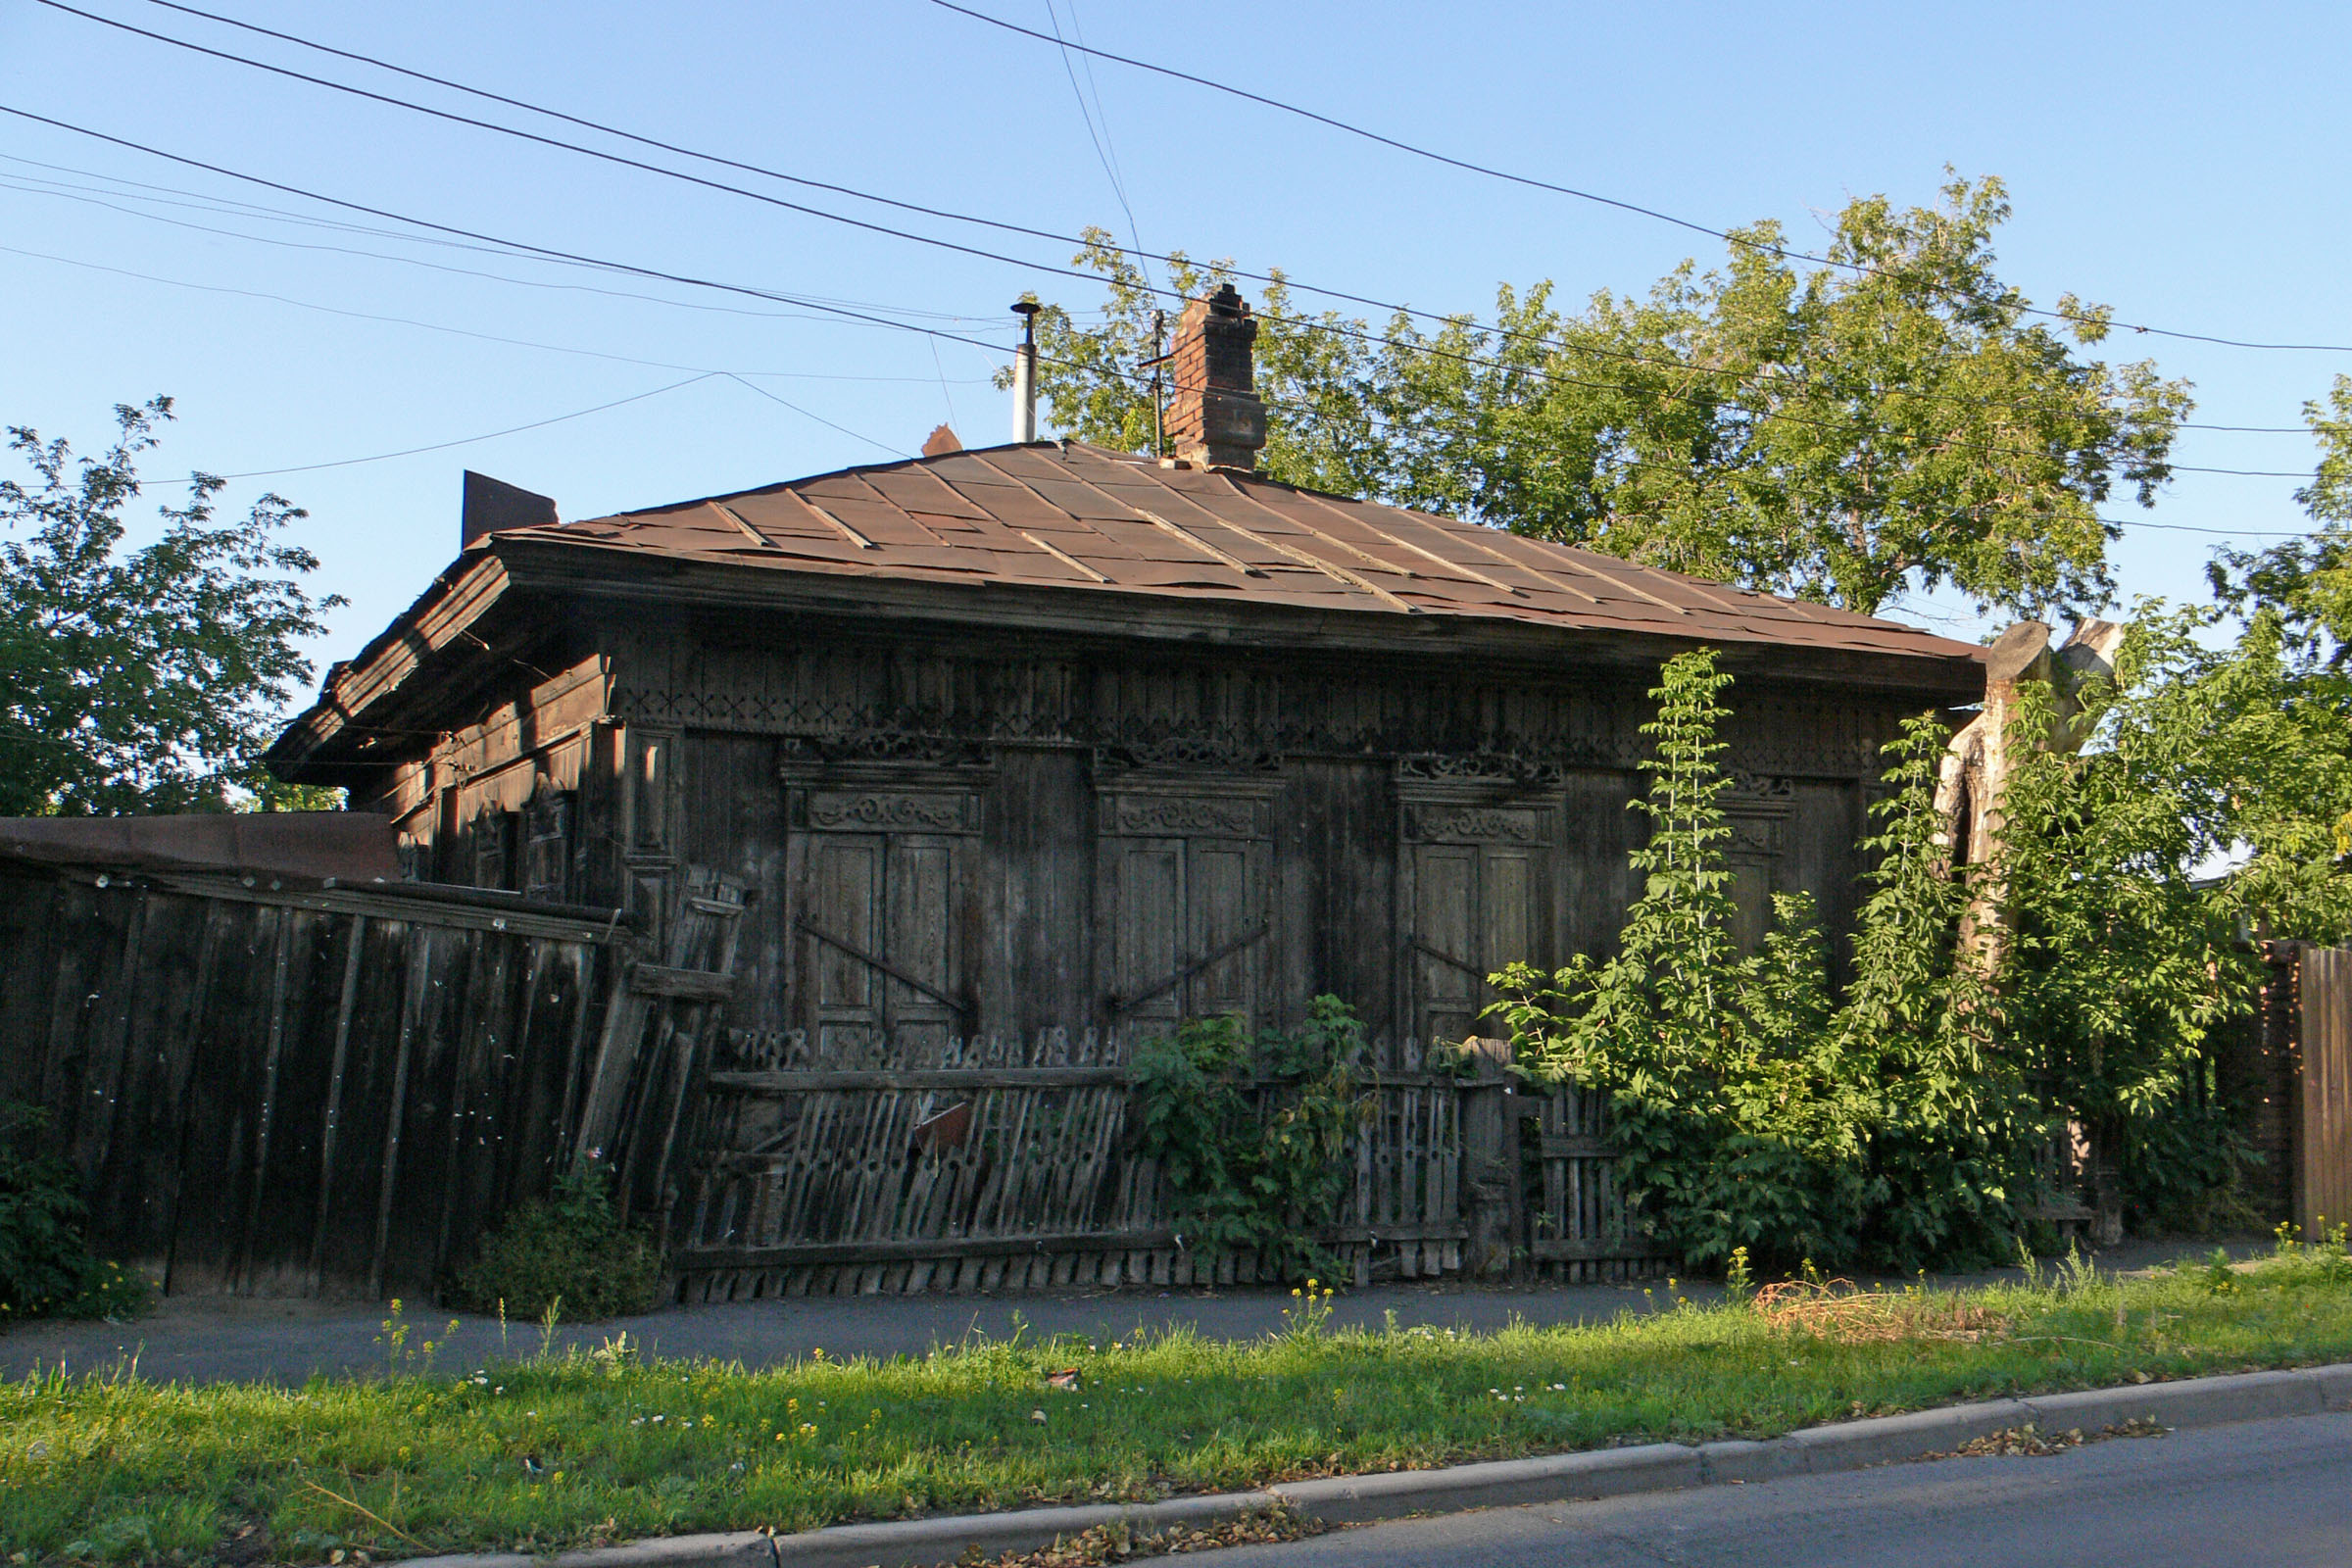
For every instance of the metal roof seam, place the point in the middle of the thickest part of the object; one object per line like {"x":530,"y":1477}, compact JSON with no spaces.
{"x":1452,"y":566}
{"x":740,"y":521}
{"x":1334,"y":540}
{"x":1062,"y":556}
{"x":848,"y":532}
{"x":1308,"y":557}
{"x":1536,"y":573}
{"x":1611,"y":578}
{"x":1336,"y":573}
{"x":1203,"y":546}
{"x":880,"y":496}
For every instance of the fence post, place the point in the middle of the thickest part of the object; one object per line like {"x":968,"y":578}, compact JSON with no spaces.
{"x":1491,"y":1161}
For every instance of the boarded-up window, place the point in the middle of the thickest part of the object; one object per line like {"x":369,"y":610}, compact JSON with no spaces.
{"x":1754,"y":856}
{"x":494,"y":849}
{"x":649,"y":807}
{"x":1185,"y":903}
{"x":546,"y":845}
{"x":881,"y":920}
{"x":1480,"y":899}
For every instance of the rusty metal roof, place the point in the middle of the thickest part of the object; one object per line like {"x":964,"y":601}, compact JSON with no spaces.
{"x":1090,"y":520}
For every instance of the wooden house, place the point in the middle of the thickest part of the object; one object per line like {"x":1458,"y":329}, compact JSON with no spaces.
{"x":1045,"y":735}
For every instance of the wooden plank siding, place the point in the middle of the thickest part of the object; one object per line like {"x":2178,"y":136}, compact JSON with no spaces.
{"x":2322,"y":1152}
{"x":295,"y":1091}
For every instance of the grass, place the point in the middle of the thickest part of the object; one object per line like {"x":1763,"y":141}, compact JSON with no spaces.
{"x":546,"y":1451}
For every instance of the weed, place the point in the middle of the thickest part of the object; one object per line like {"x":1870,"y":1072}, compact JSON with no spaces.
{"x":573,"y":1248}
{"x":1739,"y":1281}
{"x":568,"y":1449}
{"x":46,"y":1267}
{"x":1312,"y":1315}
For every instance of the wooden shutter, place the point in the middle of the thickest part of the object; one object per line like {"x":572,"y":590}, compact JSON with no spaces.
{"x":546,"y":845}
{"x":1480,"y":899}
{"x":494,"y":849}
{"x":880,"y":915}
{"x":1185,"y":905}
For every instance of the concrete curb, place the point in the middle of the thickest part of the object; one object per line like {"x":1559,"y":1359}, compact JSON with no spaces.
{"x":1552,"y":1477}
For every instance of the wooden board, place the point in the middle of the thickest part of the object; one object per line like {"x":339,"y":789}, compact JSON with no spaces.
{"x":296,"y":1092}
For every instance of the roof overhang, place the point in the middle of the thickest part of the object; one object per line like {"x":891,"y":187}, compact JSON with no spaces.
{"x":411,"y":676}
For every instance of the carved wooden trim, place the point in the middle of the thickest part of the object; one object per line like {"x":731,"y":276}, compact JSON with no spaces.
{"x":1760,"y":829}
{"x":1519,"y":769}
{"x":1173,"y":816}
{"x":1430,"y":822}
{"x":1237,"y":714}
{"x":890,"y":811}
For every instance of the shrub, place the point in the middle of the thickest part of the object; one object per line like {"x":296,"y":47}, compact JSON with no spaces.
{"x":46,"y":1267}
{"x":1251,"y":1136}
{"x":570,"y":1253}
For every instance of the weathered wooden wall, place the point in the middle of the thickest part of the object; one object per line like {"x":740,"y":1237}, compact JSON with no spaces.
{"x":948,"y":838}
{"x":283,"y":1090}
{"x":949,"y":842}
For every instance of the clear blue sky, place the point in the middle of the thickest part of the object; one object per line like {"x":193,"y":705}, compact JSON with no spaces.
{"x":2186,"y":165}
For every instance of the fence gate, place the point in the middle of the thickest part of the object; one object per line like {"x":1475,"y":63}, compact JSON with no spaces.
{"x":1579,"y":1227}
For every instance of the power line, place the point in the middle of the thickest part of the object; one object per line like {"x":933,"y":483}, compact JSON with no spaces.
{"x":454,"y":117}
{"x":65,"y":193}
{"x":1465,"y":359}
{"x":229,"y":206}
{"x":737,"y":376}
{"x":2184,"y":527}
{"x":436,"y":266}
{"x":1102,"y":144}
{"x":896,"y":452}
{"x":690,"y":280}
{"x":391,"y":320}
{"x":466,"y":441}
{"x":1304,"y":322}
{"x":519,"y":246}
{"x":1728,"y":237}
{"x":656,"y":273}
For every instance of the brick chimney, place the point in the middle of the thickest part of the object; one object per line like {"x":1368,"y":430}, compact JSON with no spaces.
{"x":1216,"y":420}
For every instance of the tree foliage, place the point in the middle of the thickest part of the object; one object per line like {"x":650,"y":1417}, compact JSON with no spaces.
{"x":1739,"y":1120}
{"x":1893,"y":419}
{"x":146,"y":677}
{"x":2307,"y":581}
{"x":1900,"y":1124}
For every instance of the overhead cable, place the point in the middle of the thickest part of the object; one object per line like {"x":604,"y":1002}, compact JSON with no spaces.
{"x":1728,"y":236}
{"x":1305,"y":323}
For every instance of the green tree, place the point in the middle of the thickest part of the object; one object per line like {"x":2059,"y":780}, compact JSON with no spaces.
{"x":2117,"y":963}
{"x":1840,"y":433}
{"x":2307,"y":581}
{"x":146,"y":678}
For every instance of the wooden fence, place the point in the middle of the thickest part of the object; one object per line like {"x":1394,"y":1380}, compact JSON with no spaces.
{"x":996,"y":1164}
{"x":992,"y":1164}
{"x":1579,"y":1227}
{"x":297,"y":1090}
{"x":275,"y":1088}
{"x":2322,"y":1097}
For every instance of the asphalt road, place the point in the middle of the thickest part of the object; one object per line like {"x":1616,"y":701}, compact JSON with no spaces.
{"x":199,"y":1338}
{"x":2261,"y":1495}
